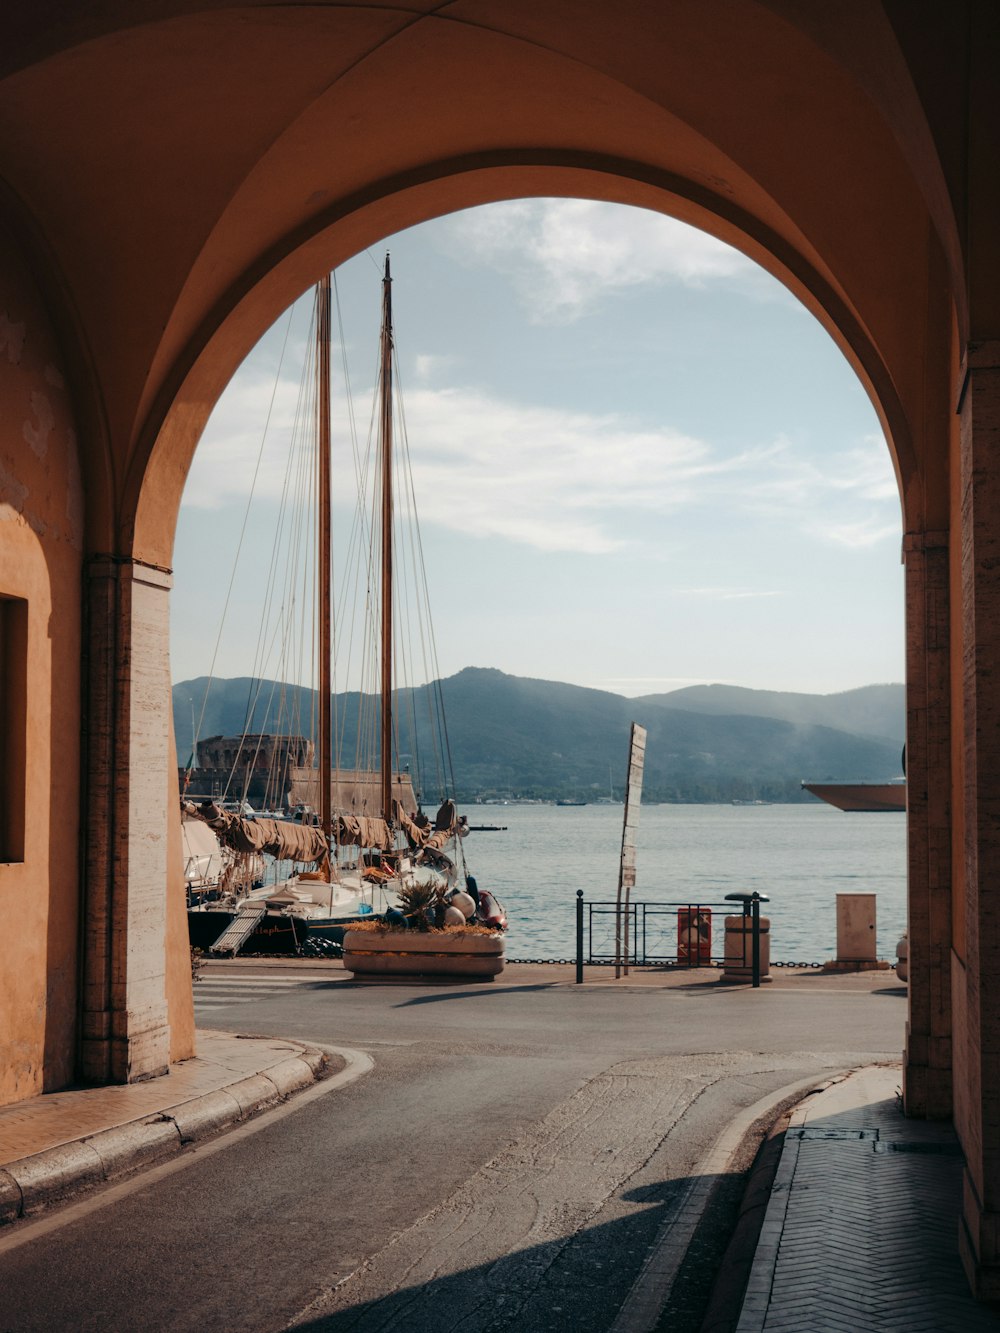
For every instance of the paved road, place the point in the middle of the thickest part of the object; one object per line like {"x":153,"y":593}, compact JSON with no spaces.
{"x":506,"y":1165}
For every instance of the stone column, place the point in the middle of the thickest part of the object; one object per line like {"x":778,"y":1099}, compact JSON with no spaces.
{"x":124,"y":1030}
{"x":927,"y":1064}
{"x":977,"y":1057}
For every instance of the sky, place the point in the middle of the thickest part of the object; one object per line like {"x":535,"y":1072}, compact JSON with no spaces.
{"x":640,"y":463}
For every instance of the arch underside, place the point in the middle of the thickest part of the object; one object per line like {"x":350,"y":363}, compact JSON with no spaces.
{"x":337,"y":124}
{"x":173,"y":173}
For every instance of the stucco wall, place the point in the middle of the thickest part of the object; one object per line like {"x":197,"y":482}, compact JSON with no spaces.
{"x":41,"y":523}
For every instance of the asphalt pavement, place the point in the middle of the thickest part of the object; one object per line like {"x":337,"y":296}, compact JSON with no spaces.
{"x":526,"y":1154}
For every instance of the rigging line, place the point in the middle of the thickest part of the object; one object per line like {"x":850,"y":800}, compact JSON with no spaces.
{"x":264,"y":652}
{"x":423,"y":592}
{"x":287,"y":539}
{"x":356,"y":509}
{"x":294,"y":459}
{"x":422,"y":605}
{"x":353,"y":609}
{"x":260,"y":657}
{"x":366,"y":534}
{"x":369,"y":479}
{"x":407,"y":673}
{"x":246,"y":516}
{"x":239,"y":749}
{"x":277,"y":688}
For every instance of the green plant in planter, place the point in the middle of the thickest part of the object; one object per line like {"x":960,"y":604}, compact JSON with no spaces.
{"x":422,"y":904}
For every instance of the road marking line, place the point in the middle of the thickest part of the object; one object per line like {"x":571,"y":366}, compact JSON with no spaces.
{"x":252,"y":982}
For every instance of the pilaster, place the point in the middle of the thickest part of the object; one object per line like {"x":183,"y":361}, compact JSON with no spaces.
{"x":927,"y":1064}
{"x":124,"y":1029}
{"x":978,"y":1056}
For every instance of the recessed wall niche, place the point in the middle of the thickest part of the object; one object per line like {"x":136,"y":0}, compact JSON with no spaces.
{"x":13,"y":724}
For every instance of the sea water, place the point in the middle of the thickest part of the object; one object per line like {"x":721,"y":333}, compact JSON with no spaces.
{"x":800,"y":856}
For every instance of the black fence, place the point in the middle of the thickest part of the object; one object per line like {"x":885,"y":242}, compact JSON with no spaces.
{"x":670,"y":934}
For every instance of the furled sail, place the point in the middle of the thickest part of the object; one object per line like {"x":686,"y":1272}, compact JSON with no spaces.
{"x":283,"y":840}
{"x":362,"y":831}
{"x":420,"y":832}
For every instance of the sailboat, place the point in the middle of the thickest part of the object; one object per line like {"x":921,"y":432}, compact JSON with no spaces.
{"x":362,"y":839}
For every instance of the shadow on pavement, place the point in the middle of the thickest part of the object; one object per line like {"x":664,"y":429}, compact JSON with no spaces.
{"x":575,"y":1283}
{"x":466,"y":994}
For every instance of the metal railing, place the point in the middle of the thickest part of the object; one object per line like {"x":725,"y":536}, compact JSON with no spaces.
{"x":667,"y":934}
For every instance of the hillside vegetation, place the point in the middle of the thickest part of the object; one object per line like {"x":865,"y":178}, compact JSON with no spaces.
{"x":510,"y":736}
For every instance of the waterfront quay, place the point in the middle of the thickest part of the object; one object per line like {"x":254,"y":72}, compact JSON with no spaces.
{"x":525,"y":1154}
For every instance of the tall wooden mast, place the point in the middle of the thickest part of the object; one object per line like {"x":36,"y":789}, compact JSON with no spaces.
{"x":385,"y":763}
{"x":324,"y":555}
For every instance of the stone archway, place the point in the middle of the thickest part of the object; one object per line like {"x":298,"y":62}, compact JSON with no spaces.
{"x":175,"y":172}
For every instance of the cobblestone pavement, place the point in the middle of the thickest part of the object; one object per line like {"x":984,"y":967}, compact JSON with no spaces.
{"x":861,"y":1232}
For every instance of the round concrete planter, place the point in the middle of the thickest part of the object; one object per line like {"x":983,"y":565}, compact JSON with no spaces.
{"x":416,"y":954}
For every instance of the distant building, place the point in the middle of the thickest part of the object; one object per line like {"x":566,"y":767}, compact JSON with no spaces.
{"x":257,"y":766}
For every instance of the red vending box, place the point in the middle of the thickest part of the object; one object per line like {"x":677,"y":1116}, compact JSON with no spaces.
{"x":694,"y":935}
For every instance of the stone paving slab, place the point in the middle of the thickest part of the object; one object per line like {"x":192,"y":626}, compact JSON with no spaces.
{"x":62,"y":1143}
{"x":861,"y":1231}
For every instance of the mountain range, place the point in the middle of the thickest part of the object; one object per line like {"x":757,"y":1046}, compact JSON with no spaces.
{"x":510,"y":736}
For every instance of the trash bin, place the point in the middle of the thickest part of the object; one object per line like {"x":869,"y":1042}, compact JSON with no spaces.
{"x":694,"y":935}
{"x":738,"y":959}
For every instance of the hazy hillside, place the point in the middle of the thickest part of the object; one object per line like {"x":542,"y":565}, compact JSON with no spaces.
{"x":873,"y":710}
{"x":511,"y":735}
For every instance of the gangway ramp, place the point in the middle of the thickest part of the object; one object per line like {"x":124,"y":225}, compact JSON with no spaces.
{"x":239,"y":930}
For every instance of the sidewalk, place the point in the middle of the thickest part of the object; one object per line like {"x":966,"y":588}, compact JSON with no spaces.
{"x":65,"y":1143}
{"x":861,"y":1229}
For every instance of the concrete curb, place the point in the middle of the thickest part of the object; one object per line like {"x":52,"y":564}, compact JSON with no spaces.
{"x":644,"y":1304}
{"x":34,"y":1183}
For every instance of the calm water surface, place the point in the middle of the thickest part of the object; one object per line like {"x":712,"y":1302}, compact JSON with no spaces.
{"x":801,"y":856}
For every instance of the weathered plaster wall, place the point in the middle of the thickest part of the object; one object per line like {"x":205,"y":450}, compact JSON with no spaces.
{"x":41,"y":524}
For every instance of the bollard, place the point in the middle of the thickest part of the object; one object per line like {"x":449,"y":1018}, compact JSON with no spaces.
{"x":758,"y":926}
{"x":579,"y":936}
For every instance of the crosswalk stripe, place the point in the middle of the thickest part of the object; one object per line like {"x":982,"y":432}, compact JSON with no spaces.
{"x":213,"y":994}
{"x":253,"y":980}
{"x":235,"y":991}
{"x":236,"y":995}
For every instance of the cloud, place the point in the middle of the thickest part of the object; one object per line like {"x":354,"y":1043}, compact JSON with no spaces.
{"x":560,"y":480}
{"x":863,"y":532}
{"x":543,"y":476}
{"x":428,"y":364}
{"x":247,"y":442}
{"x":841,"y":497}
{"x":565,"y":254}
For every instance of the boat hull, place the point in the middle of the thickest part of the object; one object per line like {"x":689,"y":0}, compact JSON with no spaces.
{"x":861,"y":797}
{"x":275,"y":934}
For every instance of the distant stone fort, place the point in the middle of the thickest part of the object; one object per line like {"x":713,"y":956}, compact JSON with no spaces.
{"x":257,"y":766}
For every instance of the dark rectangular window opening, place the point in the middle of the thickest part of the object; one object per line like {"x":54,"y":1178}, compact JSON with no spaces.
{"x":13,"y":724}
